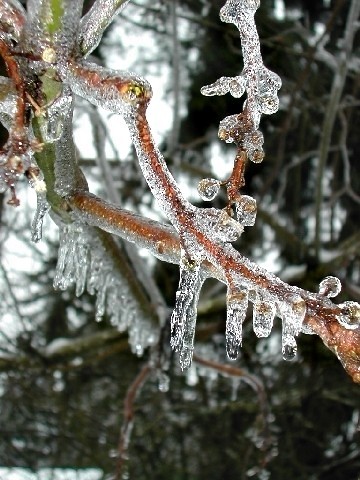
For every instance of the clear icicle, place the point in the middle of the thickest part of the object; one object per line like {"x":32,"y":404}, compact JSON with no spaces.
{"x":189,"y":279}
{"x":42,"y":207}
{"x":56,"y":115}
{"x":292,"y":312}
{"x":237,"y":303}
{"x":263,"y":317}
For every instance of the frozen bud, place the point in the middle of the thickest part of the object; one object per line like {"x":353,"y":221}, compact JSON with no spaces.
{"x":330,"y":287}
{"x":49,"y":55}
{"x":350,"y":315}
{"x":208,"y":188}
{"x":246,"y":210}
{"x":268,"y":104}
{"x":289,"y":347}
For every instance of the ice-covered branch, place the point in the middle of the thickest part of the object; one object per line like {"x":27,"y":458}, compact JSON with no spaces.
{"x":94,"y":23}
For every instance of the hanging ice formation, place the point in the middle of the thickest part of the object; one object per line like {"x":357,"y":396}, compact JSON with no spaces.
{"x":84,"y":262}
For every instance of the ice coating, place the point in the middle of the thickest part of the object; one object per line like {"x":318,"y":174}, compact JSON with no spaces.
{"x":84,"y":262}
{"x":12,"y":17}
{"x":116,"y":91}
{"x":52,"y":25}
{"x":94,"y":23}
{"x":237,"y":303}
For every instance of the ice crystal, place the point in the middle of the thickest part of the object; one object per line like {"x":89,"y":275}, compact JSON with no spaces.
{"x":237,"y":303}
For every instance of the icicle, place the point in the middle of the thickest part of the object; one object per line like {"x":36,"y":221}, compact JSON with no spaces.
{"x":292,"y":311}
{"x":189,"y":278}
{"x":330,"y":287}
{"x":263,"y":317}
{"x":246,"y":210}
{"x":350,"y":315}
{"x":42,"y":207}
{"x":208,"y":188}
{"x":237,"y":303}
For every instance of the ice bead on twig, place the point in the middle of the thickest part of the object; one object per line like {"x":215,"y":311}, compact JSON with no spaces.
{"x":208,"y":188}
{"x":330,"y":286}
{"x":263,"y":316}
{"x":189,"y":281}
{"x":350,"y":315}
{"x":237,"y":303}
{"x":246,"y":210}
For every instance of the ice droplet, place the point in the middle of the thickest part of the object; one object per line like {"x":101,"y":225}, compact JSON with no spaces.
{"x":350,"y":315}
{"x":208,"y":188}
{"x":289,"y":347}
{"x":246,"y":210}
{"x":330,"y":287}
{"x":237,"y":303}
{"x":263,"y":317}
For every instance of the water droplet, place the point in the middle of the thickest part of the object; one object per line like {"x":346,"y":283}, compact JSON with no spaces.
{"x":208,"y":188}
{"x":289,"y":347}
{"x":330,"y":287}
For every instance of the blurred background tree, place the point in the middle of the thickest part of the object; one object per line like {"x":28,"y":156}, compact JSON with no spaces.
{"x":64,"y":377}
